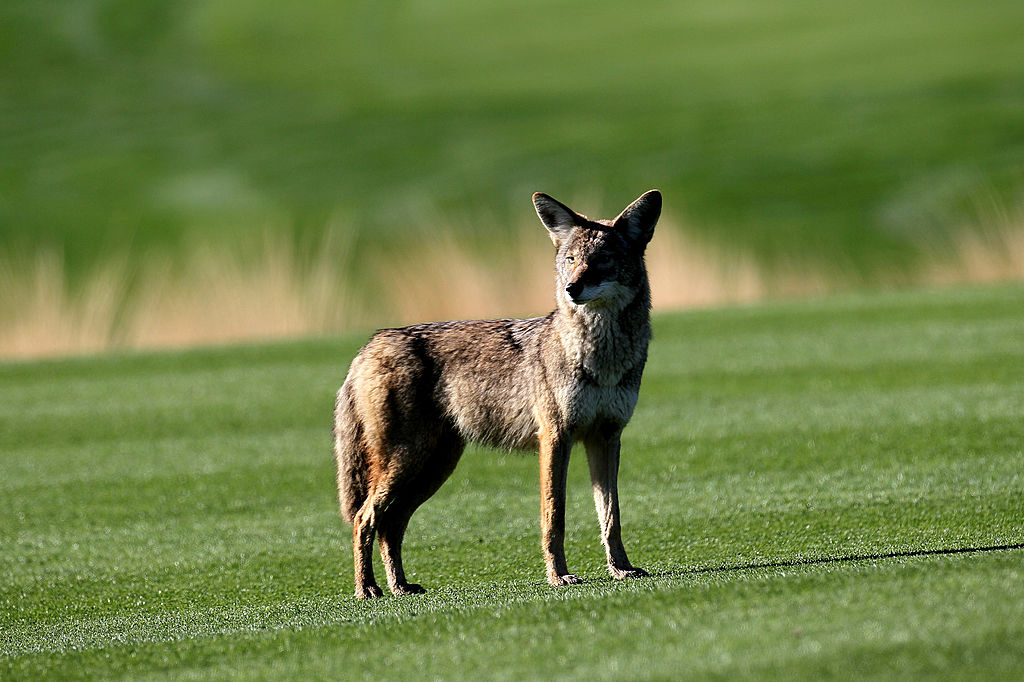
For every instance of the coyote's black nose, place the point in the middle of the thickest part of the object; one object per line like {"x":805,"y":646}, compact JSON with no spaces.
{"x":574,"y":289}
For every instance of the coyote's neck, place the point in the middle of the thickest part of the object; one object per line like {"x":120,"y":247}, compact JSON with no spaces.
{"x":605,"y":343}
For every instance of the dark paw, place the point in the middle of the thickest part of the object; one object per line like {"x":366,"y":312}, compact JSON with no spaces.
{"x":407,"y":588}
{"x":368,"y":592}
{"x":567,"y":579}
{"x":631,"y":572}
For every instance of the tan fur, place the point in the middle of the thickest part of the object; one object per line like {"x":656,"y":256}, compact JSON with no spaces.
{"x":415,"y":396}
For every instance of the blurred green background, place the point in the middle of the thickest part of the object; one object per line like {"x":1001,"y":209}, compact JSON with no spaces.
{"x":852,"y":134}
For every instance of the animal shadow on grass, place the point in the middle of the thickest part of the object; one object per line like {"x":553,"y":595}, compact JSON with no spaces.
{"x":848,"y":558}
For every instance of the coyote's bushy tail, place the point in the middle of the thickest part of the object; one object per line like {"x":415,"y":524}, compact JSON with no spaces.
{"x":348,"y":454}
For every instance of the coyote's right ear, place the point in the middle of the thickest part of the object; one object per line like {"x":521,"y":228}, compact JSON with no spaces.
{"x":556,"y":216}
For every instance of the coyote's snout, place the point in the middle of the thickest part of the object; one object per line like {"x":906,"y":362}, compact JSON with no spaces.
{"x":415,"y":396}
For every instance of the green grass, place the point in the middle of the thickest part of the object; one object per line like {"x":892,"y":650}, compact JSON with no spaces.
{"x":829,"y":488}
{"x":854,"y":132}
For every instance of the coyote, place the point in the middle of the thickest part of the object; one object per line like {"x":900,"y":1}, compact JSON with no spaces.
{"x":415,"y":396}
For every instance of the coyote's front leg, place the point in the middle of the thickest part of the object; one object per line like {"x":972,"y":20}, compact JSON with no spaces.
{"x":603,"y":458}
{"x":554,"y":464}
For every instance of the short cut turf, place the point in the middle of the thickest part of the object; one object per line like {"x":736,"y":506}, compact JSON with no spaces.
{"x":828,"y":488}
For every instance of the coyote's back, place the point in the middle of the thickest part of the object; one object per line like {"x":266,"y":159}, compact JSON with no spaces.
{"x":415,"y":395}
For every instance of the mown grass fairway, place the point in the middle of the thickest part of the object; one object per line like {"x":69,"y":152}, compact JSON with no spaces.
{"x":822,"y":488}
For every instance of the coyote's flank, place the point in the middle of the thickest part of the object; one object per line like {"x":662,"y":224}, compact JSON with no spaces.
{"x":415,"y":396}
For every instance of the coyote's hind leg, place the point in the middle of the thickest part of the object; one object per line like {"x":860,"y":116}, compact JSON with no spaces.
{"x":392,"y":529}
{"x":364,"y":526}
{"x":414,"y":488}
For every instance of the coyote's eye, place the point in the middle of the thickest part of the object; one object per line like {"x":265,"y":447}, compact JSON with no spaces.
{"x":570,"y":259}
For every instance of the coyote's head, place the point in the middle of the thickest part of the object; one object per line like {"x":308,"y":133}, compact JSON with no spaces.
{"x":600,"y":263}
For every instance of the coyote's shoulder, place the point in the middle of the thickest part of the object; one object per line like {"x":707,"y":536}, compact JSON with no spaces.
{"x":415,"y":395}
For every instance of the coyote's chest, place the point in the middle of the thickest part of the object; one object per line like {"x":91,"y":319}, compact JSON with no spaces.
{"x":586,"y":403}
{"x":605,"y":364}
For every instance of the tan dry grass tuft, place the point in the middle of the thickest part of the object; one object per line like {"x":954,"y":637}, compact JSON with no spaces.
{"x":221,"y":296}
{"x":215,"y":294}
{"x":39,"y":317}
{"x":988,"y":254}
{"x":685,"y":274}
{"x":441,"y":279}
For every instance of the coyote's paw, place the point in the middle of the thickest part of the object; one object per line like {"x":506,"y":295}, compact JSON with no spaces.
{"x":631,"y":572}
{"x":407,"y":588}
{"x":368,"y":592}
{"x":567,"y":579}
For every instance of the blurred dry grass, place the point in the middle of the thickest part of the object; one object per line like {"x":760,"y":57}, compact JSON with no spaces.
{"x":267,"y":289}
{"x":990,"y":254}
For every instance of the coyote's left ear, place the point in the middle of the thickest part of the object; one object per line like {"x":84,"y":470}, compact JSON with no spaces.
{"x":637,"y":222}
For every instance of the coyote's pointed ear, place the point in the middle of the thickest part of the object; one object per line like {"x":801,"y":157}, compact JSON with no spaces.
{"x":556,"y":216}
{"x":637,"y":222}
